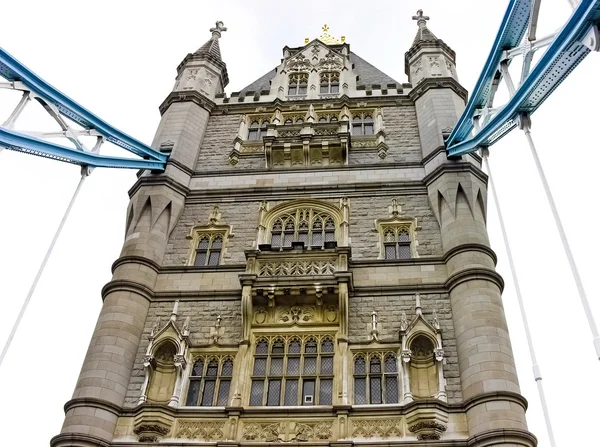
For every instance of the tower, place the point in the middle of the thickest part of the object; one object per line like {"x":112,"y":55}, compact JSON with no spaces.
{"x":310,"y":267}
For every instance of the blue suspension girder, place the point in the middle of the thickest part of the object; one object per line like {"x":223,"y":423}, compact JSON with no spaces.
{"x":24,"y":79}
{"x":565,"y":52}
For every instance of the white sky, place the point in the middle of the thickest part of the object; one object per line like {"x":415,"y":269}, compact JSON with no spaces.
{"x":118,"y":59}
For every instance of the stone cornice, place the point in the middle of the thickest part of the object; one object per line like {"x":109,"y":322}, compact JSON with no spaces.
{"x":473,"y":274}
{"x":187,"y":96}
{"x":117,"y":285}
{"x":336,"y":103}
{"x":494,"y":396}
{"x":93,"y":403}
{"x":471,"y":247}
{"x":158,"y":179}
{"x":458,"y":166}
{"x":501,"y":436}
{"x":431,"y":83}
{"x":135,"y":260}
{"x":180,"y":166}
{"x":79,"y":440}
{"x":315,"y":191}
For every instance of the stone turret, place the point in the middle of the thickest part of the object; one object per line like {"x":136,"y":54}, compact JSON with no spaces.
{"x":457,"y":191}
{"x":430,"y":65}
{"x":157,"y":201}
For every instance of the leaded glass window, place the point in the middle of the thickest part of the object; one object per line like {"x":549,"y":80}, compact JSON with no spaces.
{"x":257,"y":130}
{"x":309,"y":226}
{"x":363,"y":124}
{"x":298,"y":84}
{"x":208,"y":250}
{"x":210,"y":381}
{"x":330,"y":82}
{"x":375,"y":378}
{"x":396,"y":242}
{"x":293,"y":371}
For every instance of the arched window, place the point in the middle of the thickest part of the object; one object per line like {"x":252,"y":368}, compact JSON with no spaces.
{"x":422,"y":368}
{"x":208,"y":251}
{"x":210,"y":381}
{"x":363,"y":124}
{"x":374,"y":383}
{"x":298,"y":84}
{"x":330,"y":82}
{"x":293,"y":372}
{"x":312,"y":227}
{"x":396,"y":242}
{"x":257,"y":130}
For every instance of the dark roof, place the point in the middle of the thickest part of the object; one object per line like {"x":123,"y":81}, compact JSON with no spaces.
{"x":424,"y":35}
{"x":210,"y":48}
{"x":367,"y":75}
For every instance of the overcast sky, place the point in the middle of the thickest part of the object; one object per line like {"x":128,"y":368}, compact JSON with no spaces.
{"x":118,"y":59}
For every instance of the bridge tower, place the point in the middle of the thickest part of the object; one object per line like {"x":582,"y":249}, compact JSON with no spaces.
{"x":310,"y":267}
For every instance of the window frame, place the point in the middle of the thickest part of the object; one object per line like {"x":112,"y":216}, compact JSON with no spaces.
{"x":384,"y":376}
{"x":210,"y":249}
{"x":304,"y":373}
{"x":292,"y":228}
{"x":257,"y":130}
{"x":361,"y":121}
{"x":329,"y":83}
{"x":298,"y":82}
{"x":219,"y":380}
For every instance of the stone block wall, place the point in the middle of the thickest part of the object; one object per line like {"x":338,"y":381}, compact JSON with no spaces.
{"x":203,"y":314}
{"x":389,"y":309}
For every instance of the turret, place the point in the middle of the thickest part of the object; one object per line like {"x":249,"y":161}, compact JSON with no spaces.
{"x":457,"y":191}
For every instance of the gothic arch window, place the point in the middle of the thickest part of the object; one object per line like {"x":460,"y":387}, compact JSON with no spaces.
{"x":292,"y":371}
{"x":298,"y":84}
{"x":397,"y":242}
{"x":208,"y":250}
{"x":330,"y":82}
{"x":312,"y":227}
{"x":375,"y":378}
{"x":257,"y":130}
{"x":363,"y":124}
{"x":210,"y":381}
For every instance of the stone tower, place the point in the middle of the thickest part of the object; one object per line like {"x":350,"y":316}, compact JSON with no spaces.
{"x":310,"y":267}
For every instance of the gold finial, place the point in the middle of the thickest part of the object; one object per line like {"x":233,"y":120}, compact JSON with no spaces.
{"x":306,"y":40}
{"x":328,"y":39}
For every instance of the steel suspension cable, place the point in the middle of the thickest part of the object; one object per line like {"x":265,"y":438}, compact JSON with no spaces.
{"x":41,"y":268}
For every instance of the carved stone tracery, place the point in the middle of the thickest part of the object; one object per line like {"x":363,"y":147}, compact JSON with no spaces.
{"x":377,"y":428}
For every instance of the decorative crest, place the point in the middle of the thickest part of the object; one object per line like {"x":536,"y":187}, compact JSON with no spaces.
{"x":218,"y":29}
{"x":327,"y":38}
{"x":421,"y":19}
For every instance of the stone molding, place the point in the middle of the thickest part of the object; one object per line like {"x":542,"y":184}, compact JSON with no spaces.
{"x":123,"y":260}
{"x":494,"y":396}
{"x":455,"y":167}
{"x":502,"y":437}
{"x":158,"y":180}
{"x":127,"y":286}
{"x":475,"y":274}
{"x":427,"y":84}
{"x":186,"y":96}
{"x":79,"y":440}
{"x":470,"y":247}
{"x":94,"y":403}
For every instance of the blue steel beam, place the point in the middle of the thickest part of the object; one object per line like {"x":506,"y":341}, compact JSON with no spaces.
{"x":13,"y":70}
{"x":29,"y":145}
{"x":563,"y":55}
{"x":511,"y":32}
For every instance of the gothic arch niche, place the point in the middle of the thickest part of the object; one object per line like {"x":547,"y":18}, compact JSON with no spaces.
{"x":164,"y":377}
{"x":310,"y":221}
{"x":422,"y":368}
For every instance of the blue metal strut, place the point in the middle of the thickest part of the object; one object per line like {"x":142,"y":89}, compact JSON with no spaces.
{"x":16,"y":72}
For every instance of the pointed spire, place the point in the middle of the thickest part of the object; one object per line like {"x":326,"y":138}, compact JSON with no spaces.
{"x":211,"y":48}
{"x":423,"y":34}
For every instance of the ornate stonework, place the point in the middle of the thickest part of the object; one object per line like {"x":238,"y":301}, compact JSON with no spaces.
{"x":377,"y":428}
{"x":200,"y":430}
{"x":287,"y":431}
{"x":297,"y":268}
